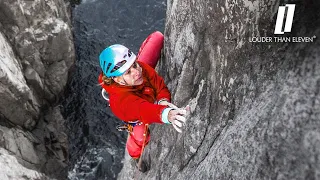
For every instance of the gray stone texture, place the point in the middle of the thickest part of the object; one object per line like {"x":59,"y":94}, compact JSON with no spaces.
{"x":37,"y":51}
{"x":255,"y":107}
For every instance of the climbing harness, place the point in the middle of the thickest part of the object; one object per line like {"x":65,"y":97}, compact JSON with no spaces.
{"x":128,"y":126}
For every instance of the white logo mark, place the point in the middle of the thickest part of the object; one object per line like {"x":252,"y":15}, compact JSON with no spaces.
{"x":280,"y":18}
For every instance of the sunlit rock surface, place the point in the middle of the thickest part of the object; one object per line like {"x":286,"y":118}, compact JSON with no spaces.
{"x":12,"y":169}
{"x":36,"y":53}
{"x":255,"y":106}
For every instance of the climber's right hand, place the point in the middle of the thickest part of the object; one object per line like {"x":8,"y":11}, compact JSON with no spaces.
{"x":177,"y":117}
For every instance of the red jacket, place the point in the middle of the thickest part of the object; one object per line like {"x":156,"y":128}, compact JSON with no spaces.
{"x":131,"y":103}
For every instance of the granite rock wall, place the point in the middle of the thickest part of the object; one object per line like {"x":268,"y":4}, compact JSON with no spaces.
{"x":255,"y":106}
{"x":37,"y":52}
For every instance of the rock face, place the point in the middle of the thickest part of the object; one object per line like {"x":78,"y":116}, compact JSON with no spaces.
{"x":255,"y":106}
{"x":12,"y":169}
{"x":36,"y":53}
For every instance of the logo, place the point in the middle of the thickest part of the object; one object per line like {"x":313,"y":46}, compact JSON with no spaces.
{"x":283,"y":25}
{"x":280,"y":18}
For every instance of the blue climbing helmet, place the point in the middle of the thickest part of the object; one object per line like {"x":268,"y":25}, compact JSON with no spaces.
{"x":115,"y":60}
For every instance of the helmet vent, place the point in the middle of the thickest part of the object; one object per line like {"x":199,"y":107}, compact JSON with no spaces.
{"x":119,"y":65}
{"x":104,"y":65}
{"x":108,"y":67}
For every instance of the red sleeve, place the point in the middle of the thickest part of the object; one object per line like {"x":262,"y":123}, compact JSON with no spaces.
{"x":130,"y":107}
{"x":157,"y":82}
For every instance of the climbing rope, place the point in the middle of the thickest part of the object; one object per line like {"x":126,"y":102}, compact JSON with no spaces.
{"x":144,"y":144}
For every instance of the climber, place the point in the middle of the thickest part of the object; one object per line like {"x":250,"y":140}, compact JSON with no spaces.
{"x":138,"y":96}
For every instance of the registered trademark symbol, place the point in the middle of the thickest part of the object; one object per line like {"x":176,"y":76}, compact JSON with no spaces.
{"x":314,"y":36}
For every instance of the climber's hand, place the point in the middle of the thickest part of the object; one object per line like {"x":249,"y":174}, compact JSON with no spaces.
{"x":166,"y":103}
{"x":177,"y":118}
